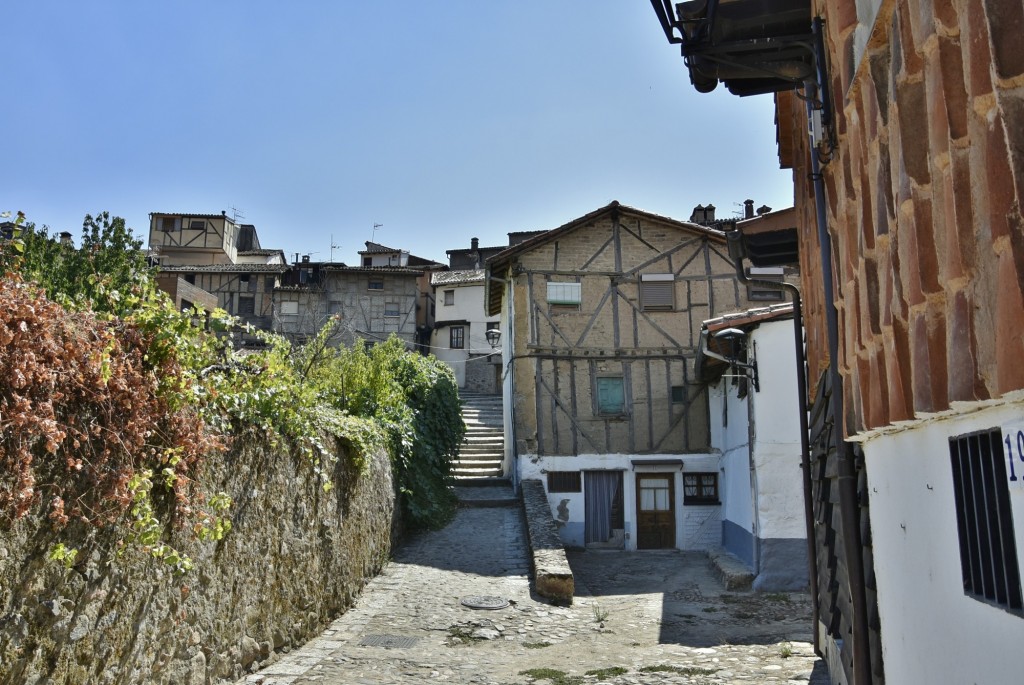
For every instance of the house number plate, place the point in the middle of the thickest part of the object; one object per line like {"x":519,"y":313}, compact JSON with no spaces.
{"x":1013,"y":451}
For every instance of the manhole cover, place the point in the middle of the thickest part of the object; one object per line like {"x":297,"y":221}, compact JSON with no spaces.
{"x":388,"y":641}
{"x":484,"y":602}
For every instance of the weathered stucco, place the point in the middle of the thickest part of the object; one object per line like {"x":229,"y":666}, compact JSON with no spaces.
{"x":295,"y":559}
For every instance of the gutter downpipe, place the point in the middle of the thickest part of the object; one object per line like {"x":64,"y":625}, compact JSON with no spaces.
{"x":736,"y":252}
{"x":847,"y":475}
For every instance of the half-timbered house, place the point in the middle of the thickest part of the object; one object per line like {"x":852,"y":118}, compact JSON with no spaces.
{"x":372,"y":302}
{"x":601,"y":321}
{"x":212,"y":253}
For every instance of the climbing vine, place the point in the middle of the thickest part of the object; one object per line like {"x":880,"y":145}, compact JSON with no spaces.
{"x":111,"y":400}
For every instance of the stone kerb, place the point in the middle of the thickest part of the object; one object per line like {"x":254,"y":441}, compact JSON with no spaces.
{"x":296,"y":558}
{"x":553,"y":577}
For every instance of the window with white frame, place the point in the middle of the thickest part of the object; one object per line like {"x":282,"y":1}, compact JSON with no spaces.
{"x":565,"y":295}
{"x":289,"y":308}
{"x":657,"y":292}
{"x":449,"y":298}
{"x":391,"y":309}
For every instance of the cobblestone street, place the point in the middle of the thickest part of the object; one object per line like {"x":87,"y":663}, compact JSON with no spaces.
{"x":648,"y":617}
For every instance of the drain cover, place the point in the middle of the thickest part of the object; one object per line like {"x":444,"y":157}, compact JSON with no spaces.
{"x":388,"y":641}
{"x":484,"y":602}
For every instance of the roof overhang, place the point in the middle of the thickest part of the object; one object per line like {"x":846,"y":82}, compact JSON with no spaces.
{"x":752,"y":46}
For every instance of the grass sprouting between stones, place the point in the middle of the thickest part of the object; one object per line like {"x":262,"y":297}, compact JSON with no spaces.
{"x":605,"y":673}
{"x":680,"y":670}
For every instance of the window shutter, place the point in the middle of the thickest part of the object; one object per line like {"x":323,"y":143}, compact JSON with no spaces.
{"x":657,"y":292}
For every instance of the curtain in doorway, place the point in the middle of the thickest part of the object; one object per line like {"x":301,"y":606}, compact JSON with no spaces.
{"x":601,"y":488}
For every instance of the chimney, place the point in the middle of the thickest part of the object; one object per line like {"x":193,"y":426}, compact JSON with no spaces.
{"x":709,"y":214}
{"x":763,"y":209}
{"x":65,"y":238}
{"x":305,"y":259}
{"x":474,"y":244}
{"x":698,"y":215}
{"x":223,"y":213}
{"x":748,"y":209}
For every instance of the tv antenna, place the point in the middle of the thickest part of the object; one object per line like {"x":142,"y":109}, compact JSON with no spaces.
{"x":334,"y":246}
{"x":373,"y":236}
{"x":236,"y":214}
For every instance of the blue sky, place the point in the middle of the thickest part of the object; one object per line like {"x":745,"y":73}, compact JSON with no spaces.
{"x":440,"y":120}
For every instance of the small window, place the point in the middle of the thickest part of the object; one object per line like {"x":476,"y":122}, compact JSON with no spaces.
{"x":564,"y":481}
{"x":246,"y":305}
{"x":375,"y":284}
{"x":457,"y":337}
{"x":657,"y":292}
{"x":197,"y":225}
{"x":269,"y":283}
{"x":367,"y":261}
{"x":678,"y":394}
{"x":289,"y":308}
{"x":761,"y":293}
{"x":190,"y":279}
{"x":611,"y":395}
{"x":988,"y":551}
{"x":493,"y":325}
{"x":700,"y":488}
{"x":565,"y":294}
{"x":391,"y":309}
{"x":170,"y":223}
{"x":449,"y":297}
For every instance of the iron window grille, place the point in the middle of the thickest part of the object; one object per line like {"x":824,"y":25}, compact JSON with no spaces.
{"x":564,"y":481}
{"x":988,"y":551}
{"x":700,"y":488}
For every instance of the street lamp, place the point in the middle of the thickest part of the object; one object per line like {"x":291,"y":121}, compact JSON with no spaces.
{"x":493,"y":336}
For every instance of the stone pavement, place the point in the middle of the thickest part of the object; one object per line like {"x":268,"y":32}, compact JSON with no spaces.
{"x":638,"y":618}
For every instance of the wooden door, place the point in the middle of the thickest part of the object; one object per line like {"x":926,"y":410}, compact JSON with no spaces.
{"x":655,"y":511}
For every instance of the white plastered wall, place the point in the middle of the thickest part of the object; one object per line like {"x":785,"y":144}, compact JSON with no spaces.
{"x":697,"y":527}
{"x":776,"y":450}
{"x":931,"y":631}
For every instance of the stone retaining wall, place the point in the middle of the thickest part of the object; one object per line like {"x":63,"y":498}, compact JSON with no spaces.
{"x":295,"y":559}
{"x":553,"y":577}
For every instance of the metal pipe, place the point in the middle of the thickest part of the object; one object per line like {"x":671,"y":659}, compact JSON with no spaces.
{"x":805,"y":441}
{"x":847,"y":474}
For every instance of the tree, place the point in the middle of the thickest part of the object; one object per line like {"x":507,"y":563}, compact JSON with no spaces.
{"x":107,"y":272}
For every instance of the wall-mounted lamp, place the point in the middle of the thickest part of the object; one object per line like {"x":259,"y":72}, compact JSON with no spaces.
{"x":493,"y":336}
{"x":734,"y":336}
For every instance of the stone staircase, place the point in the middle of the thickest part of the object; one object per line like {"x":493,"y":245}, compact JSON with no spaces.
{"x":483,"y":449}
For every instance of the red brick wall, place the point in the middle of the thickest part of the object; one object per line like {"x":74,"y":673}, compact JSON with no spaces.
{"x":924,"y":208}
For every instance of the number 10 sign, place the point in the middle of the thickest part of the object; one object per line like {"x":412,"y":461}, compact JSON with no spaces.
{"x":1013,"y":451}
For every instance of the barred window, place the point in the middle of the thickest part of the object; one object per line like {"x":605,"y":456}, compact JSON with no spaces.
{"x":564,"y":481}
{"x":988,"y":550}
